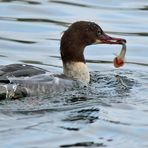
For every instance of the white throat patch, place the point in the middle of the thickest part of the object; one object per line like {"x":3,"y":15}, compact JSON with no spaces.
{"x":77,"y":71}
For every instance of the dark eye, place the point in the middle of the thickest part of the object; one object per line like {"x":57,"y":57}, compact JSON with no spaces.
{"x":99,"y":33}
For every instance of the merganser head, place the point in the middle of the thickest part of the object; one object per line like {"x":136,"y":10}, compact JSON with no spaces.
{"x":74,"y":40}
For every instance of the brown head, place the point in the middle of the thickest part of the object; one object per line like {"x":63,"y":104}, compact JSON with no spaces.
{"x":78,"y":36}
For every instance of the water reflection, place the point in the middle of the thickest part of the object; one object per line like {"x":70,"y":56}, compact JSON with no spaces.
{"x":145,"y":8}
{"x":70,"y":3}
{"x":112,"y":110}
{"x":43,"y":20}
{"x":84,"y":144}
{"x":130,"y":34}
{"x":83,"y":115}
{"x":18,"y":41}
{"x":26,"y":1}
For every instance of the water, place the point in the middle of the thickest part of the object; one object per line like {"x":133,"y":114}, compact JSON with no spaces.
{"x":112,"y":111}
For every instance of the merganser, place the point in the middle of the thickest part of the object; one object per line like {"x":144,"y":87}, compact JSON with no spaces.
{"x":20,"y":80}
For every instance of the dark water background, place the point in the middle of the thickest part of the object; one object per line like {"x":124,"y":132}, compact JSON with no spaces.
{"x":111,"y":112}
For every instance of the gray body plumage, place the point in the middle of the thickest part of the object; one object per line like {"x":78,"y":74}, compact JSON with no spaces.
{"x":17,"y":83}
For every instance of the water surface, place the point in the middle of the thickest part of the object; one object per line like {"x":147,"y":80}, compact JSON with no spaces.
{"x":112,"y":111}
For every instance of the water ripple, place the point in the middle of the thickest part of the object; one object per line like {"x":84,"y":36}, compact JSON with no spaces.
{"x":112,"y":110}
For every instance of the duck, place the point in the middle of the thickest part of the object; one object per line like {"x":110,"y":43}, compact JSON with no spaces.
{"x":22,"y":80}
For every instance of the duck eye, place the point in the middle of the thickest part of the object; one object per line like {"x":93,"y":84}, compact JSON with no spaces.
{"x":99,"y":33}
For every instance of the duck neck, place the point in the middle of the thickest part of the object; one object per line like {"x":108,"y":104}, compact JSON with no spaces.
{"x":72,"y":49}
{"x":77,"y":71}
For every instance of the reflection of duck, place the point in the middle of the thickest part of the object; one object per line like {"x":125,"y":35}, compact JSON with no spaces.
{"x":20,"y":80}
